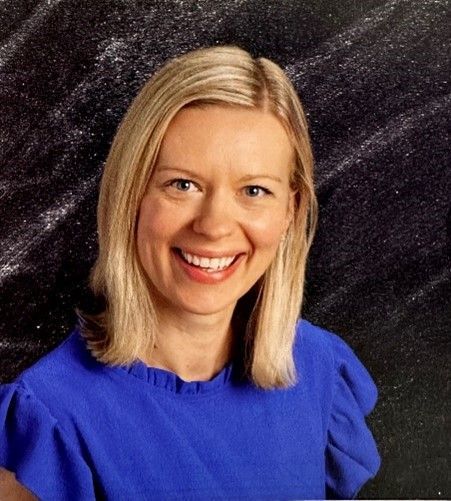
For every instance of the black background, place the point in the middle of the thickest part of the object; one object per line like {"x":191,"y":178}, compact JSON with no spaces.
{"x":373,"y":79}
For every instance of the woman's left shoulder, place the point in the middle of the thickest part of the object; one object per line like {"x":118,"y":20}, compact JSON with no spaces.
{"x":316,"y":345}
{"x":312,"y":335}
{"x":316,"y":336}
{"x":352,"y":456}
{"x":326,"y":355}
{"x":330,"y":350}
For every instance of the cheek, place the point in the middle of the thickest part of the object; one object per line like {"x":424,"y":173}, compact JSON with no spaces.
{"x":156,"y":222}
{"x":266,"y":230}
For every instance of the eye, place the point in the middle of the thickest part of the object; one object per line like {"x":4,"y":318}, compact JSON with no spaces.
{"x":255,"y":191}
{"x":181,"y":184}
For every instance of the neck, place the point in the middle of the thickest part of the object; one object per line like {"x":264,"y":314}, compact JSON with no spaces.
{"x":195,"y":347}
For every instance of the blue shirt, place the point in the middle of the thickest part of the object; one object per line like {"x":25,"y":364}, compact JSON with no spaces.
{"x":72,"y":428}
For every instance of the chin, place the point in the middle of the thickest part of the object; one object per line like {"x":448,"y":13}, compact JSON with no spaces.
{"x":206,"y":306}
{"x":205,"y":309}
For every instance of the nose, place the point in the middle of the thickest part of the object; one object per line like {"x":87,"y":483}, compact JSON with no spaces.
{"x":215,"y":218}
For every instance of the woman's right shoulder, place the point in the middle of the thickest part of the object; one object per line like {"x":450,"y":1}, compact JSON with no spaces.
{"x":53,"y":386}
{"x":38,"y":436}
{"x":67,"y":351}
{"x":60,"y":370}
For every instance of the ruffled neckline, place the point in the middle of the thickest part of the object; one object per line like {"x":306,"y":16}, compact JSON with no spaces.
{"x":170,"y":381}
{"x":165,"y":379}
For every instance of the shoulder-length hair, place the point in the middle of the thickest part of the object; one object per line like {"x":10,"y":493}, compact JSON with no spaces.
{"x":126,"y":326}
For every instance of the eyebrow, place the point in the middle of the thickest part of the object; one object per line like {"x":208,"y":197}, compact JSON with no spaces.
{"x":248,"y":177}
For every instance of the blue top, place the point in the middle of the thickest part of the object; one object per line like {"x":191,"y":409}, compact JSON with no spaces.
{"x":74,"y":428}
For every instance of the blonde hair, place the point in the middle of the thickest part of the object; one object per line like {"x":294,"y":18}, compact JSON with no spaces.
{"x":222,"y":75}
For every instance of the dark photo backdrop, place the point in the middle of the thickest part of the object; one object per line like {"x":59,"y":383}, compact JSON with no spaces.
{"x":373,"y":78}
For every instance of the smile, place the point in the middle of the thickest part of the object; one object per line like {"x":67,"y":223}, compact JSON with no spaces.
{"x":213,"y":264}
{"x":209,"y":270}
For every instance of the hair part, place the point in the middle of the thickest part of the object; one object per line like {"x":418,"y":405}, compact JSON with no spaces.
{"x":126,"y":326}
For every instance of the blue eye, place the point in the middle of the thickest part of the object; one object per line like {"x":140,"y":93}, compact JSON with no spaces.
{"x":255,"y":191}
{"x":181,"y":184}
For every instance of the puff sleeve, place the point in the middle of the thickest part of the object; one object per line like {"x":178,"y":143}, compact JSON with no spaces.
{"x":352,"y":457}
{"x":37,"y":450}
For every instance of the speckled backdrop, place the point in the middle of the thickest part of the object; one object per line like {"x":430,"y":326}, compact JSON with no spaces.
{"x":373,"y":78}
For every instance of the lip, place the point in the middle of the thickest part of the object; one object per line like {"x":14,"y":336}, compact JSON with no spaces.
{"x":198,"y":275}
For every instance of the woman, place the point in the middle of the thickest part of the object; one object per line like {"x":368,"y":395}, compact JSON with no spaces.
{"x":197,"y":380}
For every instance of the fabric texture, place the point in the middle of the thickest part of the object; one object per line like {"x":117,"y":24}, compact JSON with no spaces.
{"x":74,"y":428}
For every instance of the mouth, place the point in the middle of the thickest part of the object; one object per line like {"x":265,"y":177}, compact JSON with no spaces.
{"x":207,"y":264}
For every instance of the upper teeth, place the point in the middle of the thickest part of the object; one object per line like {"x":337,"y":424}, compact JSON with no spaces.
{"x":205,"y":262}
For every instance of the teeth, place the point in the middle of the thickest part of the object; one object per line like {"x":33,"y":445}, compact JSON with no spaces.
{"x":205,"y":262}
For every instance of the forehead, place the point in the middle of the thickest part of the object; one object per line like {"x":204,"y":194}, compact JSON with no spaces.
{"x":212,"y":134}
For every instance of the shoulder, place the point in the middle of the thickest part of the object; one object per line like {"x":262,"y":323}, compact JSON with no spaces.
{"x":67,"y":353}
{"x":315,"y":345}
{"x":63,"y":378}
{"x":49,"y":401}
{"x":64,"y":362}
{"x":312,"y":335}
{"x":326,"y":346}
{"x":327,"y":358}
{"x":335,"y":372}
{"x":37,"y":448}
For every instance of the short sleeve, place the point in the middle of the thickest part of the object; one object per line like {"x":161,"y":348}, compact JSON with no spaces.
{"x":352,"y":457}
{"x":36,"y":449}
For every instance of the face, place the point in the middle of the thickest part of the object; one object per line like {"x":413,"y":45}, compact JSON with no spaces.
{"x":216,"y":207}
